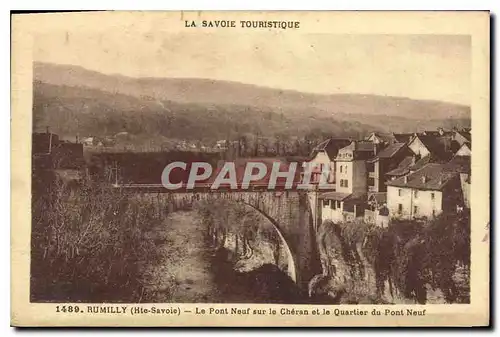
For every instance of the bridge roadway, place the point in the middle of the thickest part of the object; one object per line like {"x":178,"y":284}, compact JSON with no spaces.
{"x":202,"y":188}
{"x":289,"y":211}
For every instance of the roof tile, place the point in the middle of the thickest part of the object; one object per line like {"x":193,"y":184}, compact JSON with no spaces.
{"x":436,"y":178}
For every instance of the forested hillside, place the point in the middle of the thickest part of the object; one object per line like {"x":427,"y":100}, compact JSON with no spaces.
{"x":72,"y":100}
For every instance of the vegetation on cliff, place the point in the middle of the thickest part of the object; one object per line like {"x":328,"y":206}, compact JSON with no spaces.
{"x":406,"y":260}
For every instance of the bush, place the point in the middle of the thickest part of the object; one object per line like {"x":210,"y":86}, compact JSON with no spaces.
{"x":412,"y":255}
{"x":88,"y":245}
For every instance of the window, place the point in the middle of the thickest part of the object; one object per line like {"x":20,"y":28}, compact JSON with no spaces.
{"x":340,"y":168}
{"x":432,"y":197}
{"x":333,"y":204}
{"x":400,"y":208}
{"x":326,"y":202}
{"x":400,"y":192}
{"x":415,"y":210}
{"x":344,"y":183}
{"x":416,"y":194}
{"x":371,"y":182}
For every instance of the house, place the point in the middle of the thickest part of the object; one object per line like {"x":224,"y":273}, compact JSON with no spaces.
{"x":50,"y":152}
{"x":324,"y":154}
{"x":402,"y":169}
{"x":89,"y":141}
{"x":439,"y":133}
{"x":381,"y":138}
{"x":411,"y":164}
{"x":349,"y":199}
{"x":462,"y":166}
{"x":426,"y":192}
{"x":221,"y":145}
{"x":385,"y":161}
{"x":437,"y":145}
{"x":350,"y":165}
{"x":341,"y":207}
{"x":377,"y":211}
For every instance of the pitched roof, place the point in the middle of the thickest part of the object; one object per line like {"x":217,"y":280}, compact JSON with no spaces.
{"x":379,"y":197}
{"x":460,"y":164}
{"x":465,"y":134}
{"x":439,"y":146}
{"x":403,"y":137}
{"x":340,"y":196}
{"x":361,"y":150}
{"x":403,"y":167}
{"x":430,"y":133}
{"x":358,"y":145}
{"x":386,"y":137}
{"x":436,"y":178}
{"x":334,"y":196}
{"x":391,"y":150}
{"x":321,"y":146}
{"x":422,"y":162}
{"x":331,"y":146}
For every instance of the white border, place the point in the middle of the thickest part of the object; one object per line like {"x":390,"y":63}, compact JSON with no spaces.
{"x":492,"y":5}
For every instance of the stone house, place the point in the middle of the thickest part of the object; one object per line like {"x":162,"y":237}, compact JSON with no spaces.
{"x":426,"y":192}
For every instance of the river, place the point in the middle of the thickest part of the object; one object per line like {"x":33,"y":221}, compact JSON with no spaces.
{"x":191,"y":271}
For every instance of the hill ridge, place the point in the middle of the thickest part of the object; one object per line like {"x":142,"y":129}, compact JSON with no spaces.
{"x":210,"y":91}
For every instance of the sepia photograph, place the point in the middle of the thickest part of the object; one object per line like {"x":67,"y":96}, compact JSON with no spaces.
{"x":251,"y":160}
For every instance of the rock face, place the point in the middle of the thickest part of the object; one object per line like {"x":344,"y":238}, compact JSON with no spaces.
{"x":353,"y":271}
{"x":348,"y":275}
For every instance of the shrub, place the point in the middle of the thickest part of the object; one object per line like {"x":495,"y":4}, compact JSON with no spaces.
{"x":88,"y":245}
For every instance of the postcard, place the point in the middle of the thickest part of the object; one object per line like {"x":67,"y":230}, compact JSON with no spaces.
{"x":250,"y":169}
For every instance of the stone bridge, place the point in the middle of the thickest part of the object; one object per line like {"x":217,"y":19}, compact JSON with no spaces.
{"x":289,"y":212}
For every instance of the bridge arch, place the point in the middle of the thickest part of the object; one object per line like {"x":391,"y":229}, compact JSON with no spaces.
{"x":290,"y":214}
{"x":292,"y":270}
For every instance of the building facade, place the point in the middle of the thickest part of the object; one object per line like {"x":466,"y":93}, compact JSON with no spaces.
{"x":425,"y":193}
{"x":385,"y":161}
{"x":324,"y":154}
{"x":348,"y":201}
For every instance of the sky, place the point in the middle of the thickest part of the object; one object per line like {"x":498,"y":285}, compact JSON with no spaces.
{"x":433,"y":67}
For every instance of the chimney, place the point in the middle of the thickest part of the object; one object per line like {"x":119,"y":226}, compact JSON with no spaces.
{"x":424,"y":179}
{"x":413,"y":160}
{"x":375,"y":149}
{"x":47,"y":129}
{"x":441,"y":131}
{"x":406,"y":179}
